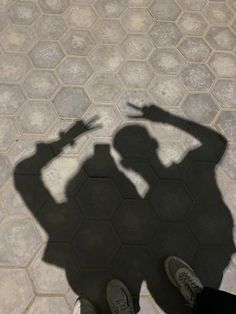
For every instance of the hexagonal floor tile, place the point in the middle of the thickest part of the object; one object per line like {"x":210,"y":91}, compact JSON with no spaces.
{"x":224,"y":91}
{"x":48,"y":270}
{"x":229,"y":162}
{"x":136,"y":74}
{"x":104,"y":88}
{"x":112,"y":9}
{"x":96,"y":243}
{"x":80,"y":16}
{"x":167,"y":91}
{"x":78,"y":43}
{"x":166,"y":61}
{"x":50,"y":27}
{"x":165,"y":10}
{"x":57,"y":6}
{"x":137,"y":20}
{"x":135,"y":222}
{"x":71,"y":102}
{"x":194,"y":49}
{"x":197,"y":77}
{"x":15,"y":290}
{"x":8,"y":133}
{"x":108,"y":31}
{"x":21,"y":240}
{"x":136,"y":46}
{"x":192,"y":5}
{"x":200,"y":108}
{"x":49,"y":305}
{"x":226,"y":124}
{"x":223,"y":64}
{"x":221,"y":38}
{"x":218,"y":13}
{"x":4,"y":21}
{"x":234,"y":25}
{"x":98,"y":198}
{"x":232,"y":4}
{"x":109,"y":119}
{"x":13,"y":67}
{"x":35,"y":117}
{"x":46,"y":54}
{"x":165,"y":34}
{"x":230,"y":198}
{"x":106,"y":58}
{"x":5,"y":170}
{"x":192,"y":23}
{"x":40,"y":84}
{"x":17,"y":39}
{"x":74,"y":70}
{"x":23,"y":12}
{"x":11,"y":98}
{"x":171,"y":200}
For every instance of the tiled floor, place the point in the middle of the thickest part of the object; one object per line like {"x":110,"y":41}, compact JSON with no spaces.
{"x":122,"y":197}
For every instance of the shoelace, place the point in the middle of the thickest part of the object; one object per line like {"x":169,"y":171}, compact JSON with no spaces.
{"x":189,"y":287}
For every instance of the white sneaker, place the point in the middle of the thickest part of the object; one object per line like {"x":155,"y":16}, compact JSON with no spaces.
{"x":119,"y":298}
{"x":183,"y":277}
{"x":83,"y":306}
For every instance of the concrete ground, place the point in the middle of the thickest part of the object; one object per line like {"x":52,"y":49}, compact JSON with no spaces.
{"x":113,"y":203}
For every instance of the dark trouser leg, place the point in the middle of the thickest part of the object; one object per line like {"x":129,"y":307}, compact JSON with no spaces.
{"x":211,"y":301}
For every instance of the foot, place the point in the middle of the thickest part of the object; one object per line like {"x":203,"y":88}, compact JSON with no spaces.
{"x":182,"y":276}
{"x":83,"y":306}
{"x":119,"y":298}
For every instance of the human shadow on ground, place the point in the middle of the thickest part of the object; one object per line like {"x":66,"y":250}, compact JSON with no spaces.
{"x":106,"y":230}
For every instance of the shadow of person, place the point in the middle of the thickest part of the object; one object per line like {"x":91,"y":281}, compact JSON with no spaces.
{"x":105,"y":229}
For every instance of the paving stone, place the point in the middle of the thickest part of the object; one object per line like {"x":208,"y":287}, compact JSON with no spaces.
{"x":23,"y":12}
{"x":8,"y":133}
{"x":106,"y":58}
{"x":5,"y":170}
{"x":111,"y":9}
{"x":11,"y":98}
{"x":20,"y":241}
{"x":200,"y":108}
{"x":218,"y":13}
{"x":103,"y":200}
{"x":35,"y":117}
{"x":136,"y":46}
{"x":17,"y":39}
{"x":50,"y":27}
{"x":167,"y":91}
{"x":104,"y":88}
{"x":46,"y":54}
{"x":109,"y":118}
{"x":234,"y":25}
{"x":223,"y":64}
{"x":165,"y":10}
{"x":5,"y":5}
{"x":78,"y":43}
{"x":165,"y":34}
{"x":135,"y":222}
{"x":137,"y":20}
{"x":224,"y":92}
{"x":48,"y":269}
{"x":221,"y":38}
{"x":13,"y":67}
{"x":194,"y":49}
{"x":139,"y":3}
{"x":96,"y":243}
{"x":169,"y":153}
{"x":232,"y":4}
{"x":108,"y":31}
{"x":192,"y":23}
{"x":229,"y":162}
{"x":15,"y":291}
{"x":80,"y":17}
{"x":228,"y":281}
{"x":71,"y":102}
{"x":40,"y":84}
{"x":230,"y":198}
{"x":53,"y":6}
{"x":166,"y":61}
{"x":147,"y":305}
{"x":4,"y":21}
{"x":136,"y":97}
{"x":192,"y":5}
{"x":136,"y":74}
{"x":49,"y":305}
{"x":197,"y":77}
{"x":171,"y":200}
